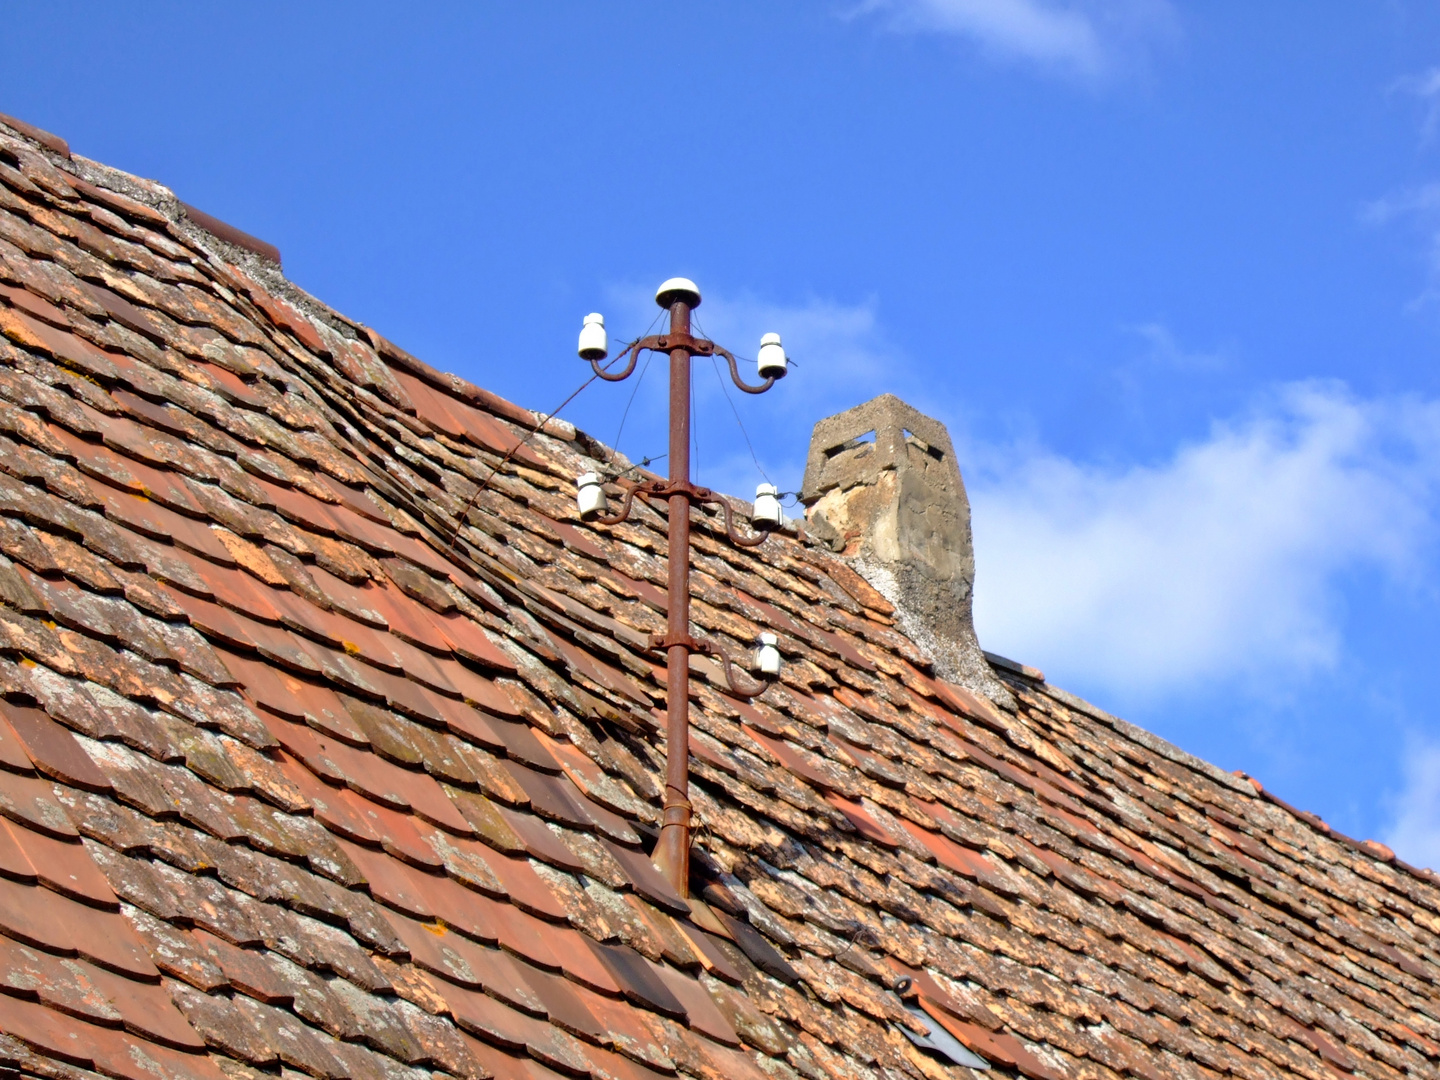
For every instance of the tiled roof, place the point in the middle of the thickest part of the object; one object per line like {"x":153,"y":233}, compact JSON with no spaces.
{"x":295,"y":778}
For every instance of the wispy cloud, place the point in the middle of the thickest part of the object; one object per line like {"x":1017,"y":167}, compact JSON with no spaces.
{"x":1218,"y":563}
{"x":1164,"y":350}
{"x":1089,"y":39}
{"x":1425,"y":87}
{"x":1423,"y":201}
{"x":1420,"y":206}
{"x":1161,"y":360}
{"x":844,"y":340}
{"x":1414,"y":833}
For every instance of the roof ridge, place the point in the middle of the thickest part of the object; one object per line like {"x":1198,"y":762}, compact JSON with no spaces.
{"x":464,"y":390}
{"x":335,"y":764}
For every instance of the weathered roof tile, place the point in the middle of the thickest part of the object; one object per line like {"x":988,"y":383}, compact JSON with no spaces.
{"x":233,"y":528}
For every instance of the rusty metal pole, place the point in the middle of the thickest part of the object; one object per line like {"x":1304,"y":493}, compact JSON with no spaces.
{"x":680,"y":296}
{"x":672,"y":854}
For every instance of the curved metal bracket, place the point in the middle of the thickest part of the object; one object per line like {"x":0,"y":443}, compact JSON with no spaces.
{"x":663,"y":641}
{"x":663,"y":489}
{"x":730,"y":678}
{"x":668,"y":343}
{"x":643,"y":489}
{"x":735,"y":375}
{"x":735,"y":538}
{"x":633,"y":349}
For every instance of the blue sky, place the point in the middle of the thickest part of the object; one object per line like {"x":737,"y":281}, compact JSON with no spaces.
{"x":1170,"y":272}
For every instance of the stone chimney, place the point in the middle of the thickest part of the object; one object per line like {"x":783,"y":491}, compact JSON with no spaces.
{"x":883,"y":489}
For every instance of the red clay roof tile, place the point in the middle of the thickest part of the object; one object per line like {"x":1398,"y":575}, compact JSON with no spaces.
{"x":331,"y":808}
{"x":64,"y":986}
{"x":637,"y":981}
{"x":647,"y":879}
{"x":564,"y":1006}
{"x":390,"y":880}
{"x":49,"y":1032}
{"x":502,"y":976}
{"x":14,"y":862}
{"x":31,"y":304}
{"x":300,"y":615}
{"x":538,"y":841}
{"x":334,"y":665}
{"x":53,"y":749}
{"x":871,"y":804}
{"x":30,"y":801}
{"x":13,"y":755}
{"x":700,"y":1009}
{"x":399,"y":835}
{"x":145,"y":1009}
{"x":504,"y":1027}
{"x":713,"y":957}
{"x":478,"y":690}
{"x":62,"y":865}
{"x":552,"y":797}
{"x":636,"y":1047}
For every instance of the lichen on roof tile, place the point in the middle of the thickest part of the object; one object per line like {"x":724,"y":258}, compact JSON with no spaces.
{"x":330,"y":745}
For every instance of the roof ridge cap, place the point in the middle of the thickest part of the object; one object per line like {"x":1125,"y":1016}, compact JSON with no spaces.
{"x":185,"y":218}
{"x":462,"y":388}
{"x":149,"y":193}
{"x":1148,"y":739}
{"x":54,"y":143}
{"x":1241,"y":783}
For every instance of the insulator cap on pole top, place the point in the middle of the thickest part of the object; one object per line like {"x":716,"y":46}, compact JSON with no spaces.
{"x":678,"y":288}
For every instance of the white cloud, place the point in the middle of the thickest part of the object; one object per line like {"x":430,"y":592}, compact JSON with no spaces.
{"x":1420,"y":206}
{"x":1426,"y":87}
{"x":1215,"y":564}
{"x":1085,"y":38}
{"x":1415,"y":832}
{"x":842,"y":342}
{"x":1423,"y":200}
{"x":1164,"y":351}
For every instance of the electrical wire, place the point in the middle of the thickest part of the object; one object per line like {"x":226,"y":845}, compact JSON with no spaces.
{"x":545,"y":418}
{"x":731,"y":401}
{"x":714,"y":363}
{"x":615,"y":446}
{"x":649,"y":355}
{"x":643,"y":463}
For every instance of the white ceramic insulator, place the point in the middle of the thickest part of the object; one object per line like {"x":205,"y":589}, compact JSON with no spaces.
{"x":677,"y":288}
{"x":590,"y":496}
{"x":767,"y":656}
{"x":594,"y":344}
{"x":766,"y":513}
{"x":772,"y":360}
